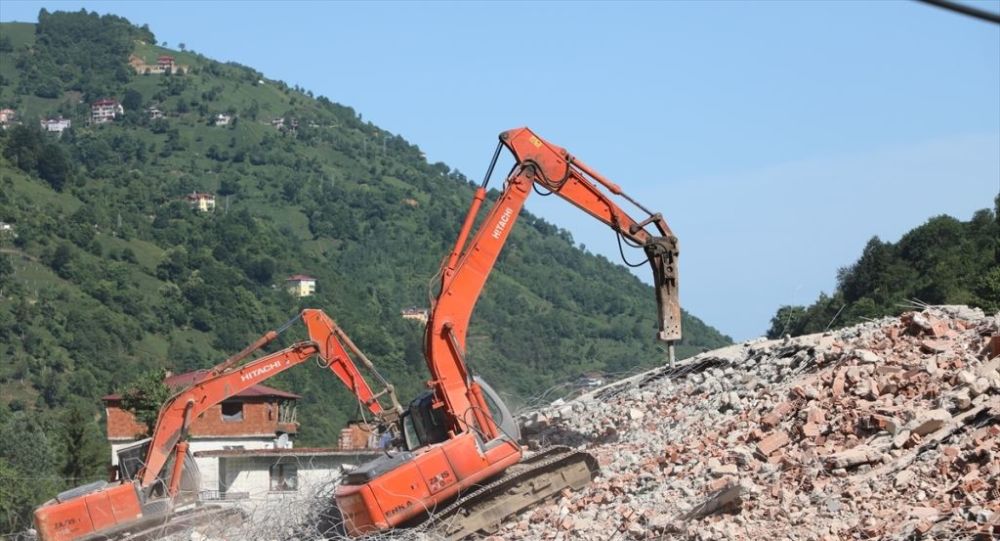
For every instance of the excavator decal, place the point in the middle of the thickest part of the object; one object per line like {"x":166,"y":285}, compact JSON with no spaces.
{"x":502,"y":222}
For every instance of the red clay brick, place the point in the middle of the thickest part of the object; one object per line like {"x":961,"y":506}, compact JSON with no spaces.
{"x":773,"y":442}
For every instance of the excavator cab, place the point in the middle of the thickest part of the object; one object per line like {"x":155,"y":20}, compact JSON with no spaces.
{"x":425,"y":425}
{"x":422,"y":423}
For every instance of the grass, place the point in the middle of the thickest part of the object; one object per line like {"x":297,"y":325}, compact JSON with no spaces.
{"x":20,"y":34}
{"x":36,"y":276}
{"x":153,"y":347}
{"x":38,"y":193}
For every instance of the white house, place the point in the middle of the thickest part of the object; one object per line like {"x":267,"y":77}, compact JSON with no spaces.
{"x":7,"y":117}
{"x":202,"y":201}
{"x":56,"y":125}
{"x":105,"y":110}
{"x":417,"y":314}
{"x":300,"y":285}
{"x":222,"y":119}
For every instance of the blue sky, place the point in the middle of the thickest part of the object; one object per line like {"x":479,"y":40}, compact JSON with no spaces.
{"x":775,"y":137}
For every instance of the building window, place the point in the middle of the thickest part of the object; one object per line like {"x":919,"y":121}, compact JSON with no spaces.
{"x":232,"y":411}
{"x":284,"y":477}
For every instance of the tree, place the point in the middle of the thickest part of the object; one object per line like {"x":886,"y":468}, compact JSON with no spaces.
{"x":54,"y":166}
{"x":144,"y":396}
{"x":82,"y":440}
{"x":61,"y":259}
{"x":6,"y":271}
{"x":23,"y":146}
{"x":132,"y":100}
{"x":787,"y":317}
{"x":28,"y":468}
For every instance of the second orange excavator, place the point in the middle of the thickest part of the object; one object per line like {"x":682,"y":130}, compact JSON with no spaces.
{"x":157,"y":478}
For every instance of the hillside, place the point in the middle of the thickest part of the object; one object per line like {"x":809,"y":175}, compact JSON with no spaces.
{"x":944,"y":261}
{"x":107,"y":273}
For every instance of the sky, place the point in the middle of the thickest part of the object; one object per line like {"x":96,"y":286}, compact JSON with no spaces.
{"x":776,"y":138}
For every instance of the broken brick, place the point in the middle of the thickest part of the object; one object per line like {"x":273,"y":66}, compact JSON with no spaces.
{"x":772,"y":443}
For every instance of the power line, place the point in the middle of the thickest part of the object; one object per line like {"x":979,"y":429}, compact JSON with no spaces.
{"x":964,"y":9}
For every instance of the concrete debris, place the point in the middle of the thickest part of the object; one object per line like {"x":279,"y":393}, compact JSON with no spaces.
{"x":885,"y":430}
{"x":888,"y":430}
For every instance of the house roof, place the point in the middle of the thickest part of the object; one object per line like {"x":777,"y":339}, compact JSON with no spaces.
{"x":187,"y":378}
{"x":200,"y":195}
{"x":105,"y":101}
{"x":299,"y":278}
{"x":299,"y":451}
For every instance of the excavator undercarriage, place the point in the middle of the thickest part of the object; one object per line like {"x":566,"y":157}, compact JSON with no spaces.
{"x":536,"y":478}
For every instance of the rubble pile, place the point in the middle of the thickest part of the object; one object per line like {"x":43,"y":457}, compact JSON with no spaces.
{"x":889,"y":429}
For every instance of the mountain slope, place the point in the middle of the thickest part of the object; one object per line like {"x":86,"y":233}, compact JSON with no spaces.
{"x":108,"y":272}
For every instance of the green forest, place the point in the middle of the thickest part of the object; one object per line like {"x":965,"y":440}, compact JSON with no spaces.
{"x":944,"y":261}
{"x":107,"y":274}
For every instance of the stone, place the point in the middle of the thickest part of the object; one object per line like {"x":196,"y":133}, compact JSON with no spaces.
{"x":966,"y":377}
{"x":903,"y":479}
{"x":635,"y":414}
{"x":930,"y":365}
{"x":867,"y":357}
{"x":978,"y":387}
{"x":924,"y":513}
{"x":933,"y":346}
{"x":852,"y":457}
{"x":930,"y":421}
{"x":725,"y":469}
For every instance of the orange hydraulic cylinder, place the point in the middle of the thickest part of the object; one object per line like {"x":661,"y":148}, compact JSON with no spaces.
{"x":178,"y":469}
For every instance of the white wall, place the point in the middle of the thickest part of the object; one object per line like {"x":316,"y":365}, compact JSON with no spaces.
{"x":253,"y":475}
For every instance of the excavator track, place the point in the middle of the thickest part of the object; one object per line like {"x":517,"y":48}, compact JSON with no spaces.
{"x":538,"y":477}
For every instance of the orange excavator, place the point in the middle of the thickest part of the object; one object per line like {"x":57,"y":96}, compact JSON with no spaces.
{"x":145,"y":499}
{"x":462,"y":465}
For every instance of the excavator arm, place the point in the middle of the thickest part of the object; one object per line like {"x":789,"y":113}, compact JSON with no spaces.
{"x":543,"y":166}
